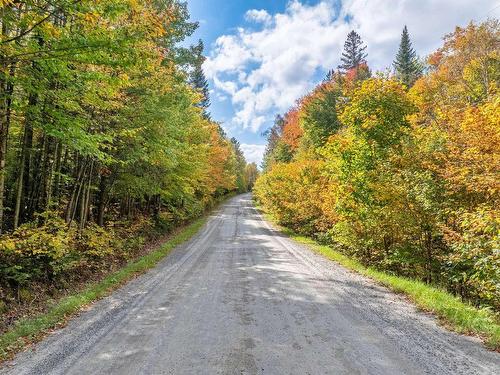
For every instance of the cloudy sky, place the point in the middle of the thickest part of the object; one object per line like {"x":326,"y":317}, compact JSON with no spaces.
{"x":264,"y":55}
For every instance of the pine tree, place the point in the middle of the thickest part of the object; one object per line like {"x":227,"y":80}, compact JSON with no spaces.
{"x":408,"y":68}
{"x":198,"y":79}
{"x":329,"y":76}
{"x":354,"y":52}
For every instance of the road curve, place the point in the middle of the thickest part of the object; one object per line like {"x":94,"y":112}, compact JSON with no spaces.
{"x":240,"y":298}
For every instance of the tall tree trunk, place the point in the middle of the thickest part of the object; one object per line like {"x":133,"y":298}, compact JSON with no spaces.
{"x":82,"y":206}
{"x":3,"y":121}
{"x":4,"y":130}
{"x":20,"y":182}
{"x":50,"y":179}
{"x":86,"y":199}
{"x":57,"y":177}
{"x":25,"y":150}
{"x":428,"y":249}
{"x":101,"y":200}
{"x":28,"y":172}
{"x":6,"y":90}
{"x":81,"y":186}
{"x":37,"y":185}
{"x":73,"y":198}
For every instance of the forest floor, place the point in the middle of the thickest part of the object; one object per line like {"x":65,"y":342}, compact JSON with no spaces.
{"x":241,"y":297}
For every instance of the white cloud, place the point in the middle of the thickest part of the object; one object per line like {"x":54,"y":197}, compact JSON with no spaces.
{"x":228,"y":87}
{"x":265,"y":71}
{"x":221,"y":97}
{"x":253,"y":153}
{"x":380,"y":23}
{"x":258,"y":16}
{"x":231,"y":56}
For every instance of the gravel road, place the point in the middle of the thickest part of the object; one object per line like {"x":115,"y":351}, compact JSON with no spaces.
{"x":240,"y":298}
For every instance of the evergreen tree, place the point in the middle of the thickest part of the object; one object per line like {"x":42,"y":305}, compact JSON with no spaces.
{"x":319,"y":118}
{"x":408,"y":68}
{"x":198,"y":79}
{"x":240,"y":166}
{"x":275,"y":150}
{"x":354,"y":52}
{"x":329,"y":76}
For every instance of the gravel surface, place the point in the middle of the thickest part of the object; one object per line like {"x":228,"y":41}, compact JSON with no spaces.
{"x":240,"y":298}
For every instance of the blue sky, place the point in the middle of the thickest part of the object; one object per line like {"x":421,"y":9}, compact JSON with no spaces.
{"x":264,"y":55}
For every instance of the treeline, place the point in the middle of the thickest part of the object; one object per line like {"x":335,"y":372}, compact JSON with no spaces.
{"x":105,"y":136}
{"x":400,"y":170}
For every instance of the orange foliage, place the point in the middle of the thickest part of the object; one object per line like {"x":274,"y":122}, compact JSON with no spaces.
{"x":290,"y":192}
{"x":219,"y":155}
{"x":405,"y":181}
{"x":292,"y":132}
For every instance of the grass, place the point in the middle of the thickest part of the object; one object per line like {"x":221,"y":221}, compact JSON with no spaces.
{"x":456,"y":315}
{"x":32,"y":329}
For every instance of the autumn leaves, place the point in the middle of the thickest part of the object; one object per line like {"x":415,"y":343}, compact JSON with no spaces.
{"x":406,"y":180}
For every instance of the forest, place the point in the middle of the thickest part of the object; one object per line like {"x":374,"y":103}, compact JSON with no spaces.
{"x":399,"y":169}
{"x":106,"y":141}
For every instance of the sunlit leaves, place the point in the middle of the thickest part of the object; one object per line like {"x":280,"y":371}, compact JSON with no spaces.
{"x":405,"y":181}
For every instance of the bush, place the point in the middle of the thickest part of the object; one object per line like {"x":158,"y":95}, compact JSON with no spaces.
{"x":473,"y":268}
{"x":95,"y":242}
{"x":37,"y":252}
{"x":47,"y":249}
{"x":288,"y":191}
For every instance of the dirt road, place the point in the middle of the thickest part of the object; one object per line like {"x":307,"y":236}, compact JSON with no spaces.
{"x":240,"y":298}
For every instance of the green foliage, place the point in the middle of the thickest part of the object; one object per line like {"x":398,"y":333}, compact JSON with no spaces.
{"x":251,"y":175}
{"x":275,"y":150}
{"x":320,"y":113}
{"x":407,"y":66}
{"x":377,"y":113}
{"x":459,"y":316}
{"x":375,"y":123}
{"x":47,"y":252}
{"x":105,"y":138}
{"x":354,"y":52}
{"x":239,"y":166}
{"x":404,"y":180}
{"x":32,"y":329}
{"x":198,"y":80}
{"x":95,"y":242}
{"x":473,"y":267}
{"x":36,"y":252}
{"x":278,"y":190}
{"x":107,"y":112}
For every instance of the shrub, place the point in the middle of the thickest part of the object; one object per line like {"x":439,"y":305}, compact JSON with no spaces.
{"x":37,"y":252}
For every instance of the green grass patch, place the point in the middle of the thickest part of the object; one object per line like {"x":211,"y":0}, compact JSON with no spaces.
{"x":450,"y":310}
{"x":31,"y":329}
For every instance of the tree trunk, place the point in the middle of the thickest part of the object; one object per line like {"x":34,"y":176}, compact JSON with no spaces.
{"x":57,"y":177}
{"x":28,"y":171}
{"x":86,"y":199}
{"x":428,"y":246}
{"x":50,"y":179}
{"x":101,"y":200}
{"x":3,"y":151}
{"x":6,"y":90}
{"x":37,"y":186}
{"x":73,"y":199}
{"x":20,"y":182}
{"x":3,"y":146}
{"x":82,"y":206}
{"x":3,"y":123}
{"x":25,"y":149}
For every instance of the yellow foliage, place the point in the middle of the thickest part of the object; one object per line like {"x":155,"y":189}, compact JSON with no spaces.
{"x":290,"y":192}
{"x":4,"y":3}
{"x":408,"y":182}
